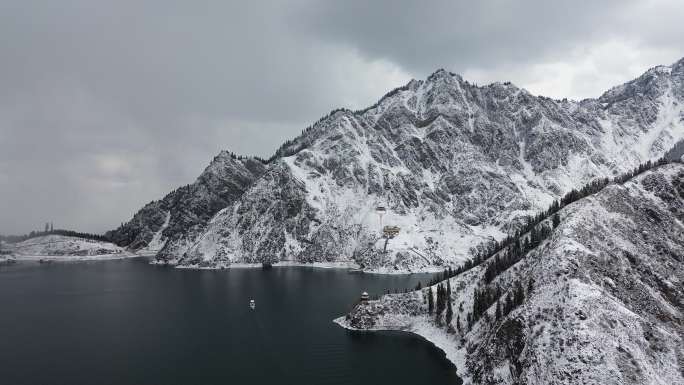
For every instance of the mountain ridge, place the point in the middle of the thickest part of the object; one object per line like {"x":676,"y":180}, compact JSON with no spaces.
{"x":600,"y":299}
{"x":452,"y":161}
{"x":225,"y":178}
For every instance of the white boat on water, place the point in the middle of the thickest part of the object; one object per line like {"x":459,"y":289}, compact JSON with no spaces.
{"x":252,"y":304}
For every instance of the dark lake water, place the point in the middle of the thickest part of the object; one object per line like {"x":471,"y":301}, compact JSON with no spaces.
{"x":127,"y":322}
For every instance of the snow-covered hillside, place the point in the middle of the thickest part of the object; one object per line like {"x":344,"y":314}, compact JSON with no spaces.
{"x":163,"y":226}
{"x":65,"y":247}
{"x":455,"y":164}
{"x":602,"y":299}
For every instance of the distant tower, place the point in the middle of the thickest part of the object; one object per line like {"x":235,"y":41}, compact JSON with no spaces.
{"x":380,"y":210}
{"x":52,"y":228}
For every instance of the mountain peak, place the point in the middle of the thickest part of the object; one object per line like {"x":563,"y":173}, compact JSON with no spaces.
{"x":442,"y":74}
{"x":439,"y":72}
{"x":654,"y":82}
{"x":229,"y":156}
{"x":223,"y":157}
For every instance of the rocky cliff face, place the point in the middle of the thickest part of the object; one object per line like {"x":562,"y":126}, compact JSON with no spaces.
{"x":603,"y":300}
{"x":453,"y":163}
{"x":161,"y":225}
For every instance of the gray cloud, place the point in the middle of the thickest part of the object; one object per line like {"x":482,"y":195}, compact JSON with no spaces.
{"x":506,"y":37}
{"x":462,"y":34}
{"x":107,"y":105}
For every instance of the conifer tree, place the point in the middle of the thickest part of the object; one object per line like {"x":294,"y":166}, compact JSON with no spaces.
{"x":441,"y":302}
{"x":449,"y":312}
{"x":431,"y":301}
{"x":519,"y":294}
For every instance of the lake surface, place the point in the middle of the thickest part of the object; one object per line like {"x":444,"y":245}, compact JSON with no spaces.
{"x":128,"y":322}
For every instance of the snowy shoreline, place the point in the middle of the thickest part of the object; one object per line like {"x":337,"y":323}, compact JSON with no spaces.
{"x":345,"y":265}
{"x":423,"y":329}
{"x":321,"y":265}
{"x":348,"y":265}
{"x":73,"y":258}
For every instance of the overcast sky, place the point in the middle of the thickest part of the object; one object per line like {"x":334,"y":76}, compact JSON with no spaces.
{"x":105,"y":106}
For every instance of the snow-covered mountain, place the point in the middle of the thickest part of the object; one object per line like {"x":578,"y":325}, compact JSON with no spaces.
{"x":63,"y":246}
{"x":454,"y":164}
{"x":600,"y":300}
{"x":163,"y":227}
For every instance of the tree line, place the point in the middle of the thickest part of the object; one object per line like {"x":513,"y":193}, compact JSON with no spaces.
{"x":514,"y":252}
{"x":443,"y":303}
{"x":508,"y":252}
{"x":530,"y":222}
{"x":513,"y":248}
{"x":67,"y":233}
{"x":487,"y":295}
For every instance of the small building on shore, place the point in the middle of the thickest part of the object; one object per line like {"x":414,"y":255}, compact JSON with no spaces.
{"x":364,"y":296}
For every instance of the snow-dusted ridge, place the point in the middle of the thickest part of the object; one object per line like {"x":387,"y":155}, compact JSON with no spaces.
{"x":455,"y":164}
{"x":605,"y":305}
{"x":65,"y":248}
{"x":161,"y":227}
